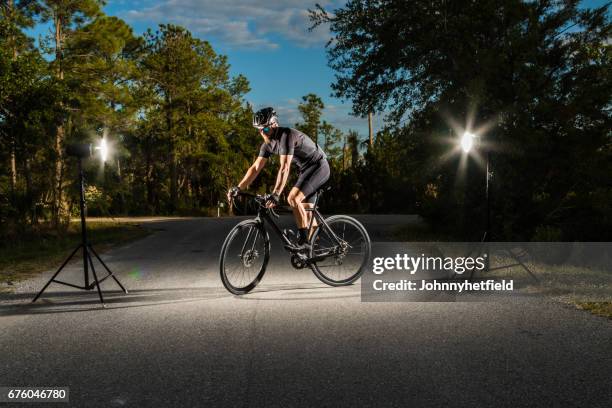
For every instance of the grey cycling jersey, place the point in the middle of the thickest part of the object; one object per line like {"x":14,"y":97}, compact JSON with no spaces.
{"x":288,"y":141}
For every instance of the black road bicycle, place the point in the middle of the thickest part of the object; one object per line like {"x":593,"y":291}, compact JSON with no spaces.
{"x":339,"y":248}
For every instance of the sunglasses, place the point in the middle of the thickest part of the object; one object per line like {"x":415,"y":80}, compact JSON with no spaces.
{"x":264,"y":129}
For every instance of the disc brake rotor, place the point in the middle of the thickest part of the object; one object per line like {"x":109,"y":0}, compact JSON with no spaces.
{"x":342,"y":252}
{"x":249,"y":257}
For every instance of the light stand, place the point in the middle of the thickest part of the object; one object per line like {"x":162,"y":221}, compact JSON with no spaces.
{"x":484,"y":247}
{"x":87,"y":251}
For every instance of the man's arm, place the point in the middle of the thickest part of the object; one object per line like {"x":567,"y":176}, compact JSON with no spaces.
{"x":283,"y":173}
{"x":286,"y":148}
{"x":252,"y":172}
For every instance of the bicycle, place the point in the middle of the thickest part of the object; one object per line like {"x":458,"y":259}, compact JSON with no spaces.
{"x":339,"y":243}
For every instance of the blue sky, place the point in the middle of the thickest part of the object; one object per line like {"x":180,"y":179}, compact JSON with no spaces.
{"x":267,"y":41}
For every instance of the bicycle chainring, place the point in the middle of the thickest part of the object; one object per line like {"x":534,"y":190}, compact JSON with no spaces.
{"x":297,"y":261}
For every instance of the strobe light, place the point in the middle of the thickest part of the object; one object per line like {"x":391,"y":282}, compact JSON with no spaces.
{"x":467,"y":141}
{"x":103,"y":149}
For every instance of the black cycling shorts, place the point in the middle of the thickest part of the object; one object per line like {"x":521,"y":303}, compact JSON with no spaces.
{"x":312,"y":178}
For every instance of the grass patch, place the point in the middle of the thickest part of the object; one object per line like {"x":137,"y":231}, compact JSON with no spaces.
{"x":44,"y":250}
{"x":570,"y":284}
{"x":589,"y":289}
{"x":597,"y":308}
{"x":586,"y":288}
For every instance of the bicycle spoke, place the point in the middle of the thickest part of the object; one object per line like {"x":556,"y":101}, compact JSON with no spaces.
{"x":341,"y":243}
{"x":244,"y":258}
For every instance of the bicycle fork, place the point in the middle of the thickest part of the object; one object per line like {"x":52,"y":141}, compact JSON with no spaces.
{"x":251,"y":251}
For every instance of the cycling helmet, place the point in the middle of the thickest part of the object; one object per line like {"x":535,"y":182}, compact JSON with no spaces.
{"x":265,"y":117}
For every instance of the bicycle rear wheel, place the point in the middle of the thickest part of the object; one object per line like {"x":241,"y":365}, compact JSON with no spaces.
{"x":244,"y":257}
{"x":347,"y":260}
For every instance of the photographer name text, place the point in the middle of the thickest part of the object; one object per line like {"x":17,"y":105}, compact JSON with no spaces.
{"x":435,"y":285}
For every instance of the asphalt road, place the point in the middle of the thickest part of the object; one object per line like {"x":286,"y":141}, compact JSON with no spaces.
{"x":178,"y":339}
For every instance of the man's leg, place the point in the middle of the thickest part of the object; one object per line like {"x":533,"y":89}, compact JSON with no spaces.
{"x":299,"y":214}
{"x":309,"y":217}
{"x":295,"y":199}
{"x":307,"y":184}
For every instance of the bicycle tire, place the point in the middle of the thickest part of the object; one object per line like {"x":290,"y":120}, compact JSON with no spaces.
{"x":367,"y":246}
{"x":241,"y":290}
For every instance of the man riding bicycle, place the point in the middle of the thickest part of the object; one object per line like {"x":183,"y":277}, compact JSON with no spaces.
{"x":292,"y":146}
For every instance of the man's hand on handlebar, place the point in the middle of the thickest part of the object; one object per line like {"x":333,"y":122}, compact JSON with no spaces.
{"x":232,"y":193}
{"x":272,"y":200}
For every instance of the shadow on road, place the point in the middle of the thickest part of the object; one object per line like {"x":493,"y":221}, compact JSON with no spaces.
{"x":302,"y":292}
{"x":73,"y":302}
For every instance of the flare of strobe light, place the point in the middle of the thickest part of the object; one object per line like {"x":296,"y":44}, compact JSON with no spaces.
{"x":467,"y":141}
{"x":103,"y":148}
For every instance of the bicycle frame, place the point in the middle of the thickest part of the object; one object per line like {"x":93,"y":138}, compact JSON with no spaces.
{"x":265,"y":215}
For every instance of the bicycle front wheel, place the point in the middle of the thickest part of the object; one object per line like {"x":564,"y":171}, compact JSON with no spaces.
{"x":345,"y":245}
{"x":244,"y":257}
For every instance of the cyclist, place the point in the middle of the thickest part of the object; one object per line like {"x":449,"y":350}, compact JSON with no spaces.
{"x":292,"y":146}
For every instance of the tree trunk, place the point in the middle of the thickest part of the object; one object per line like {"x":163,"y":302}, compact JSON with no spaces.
{"x":13,"y":165}
{"x":29,"y":193}
{"x":371,"y":129}
{"x":60,"y":132}
{"x":13,"y":142}
{"x":121,"y":191}
{"x":173,"y":181}
{"x":344,"y":148}
{"x":148,"y":180}
{"x":173,"y":157}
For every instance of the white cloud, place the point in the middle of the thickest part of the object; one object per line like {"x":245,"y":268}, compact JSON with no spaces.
{"x":241,"y":24}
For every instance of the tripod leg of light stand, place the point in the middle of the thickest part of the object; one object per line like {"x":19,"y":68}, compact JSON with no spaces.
{"x":96,"y":282}
{"x":483,"y":248}
{"x":529,"y":271}
{"x":107,"y":269}
{"x":56,"y":273}
{"x":477,"y":252}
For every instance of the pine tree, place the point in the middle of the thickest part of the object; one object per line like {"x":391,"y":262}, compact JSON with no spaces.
{"x":67,"y":17}
{"x":311,"y":109}
{"x":15,"y":16}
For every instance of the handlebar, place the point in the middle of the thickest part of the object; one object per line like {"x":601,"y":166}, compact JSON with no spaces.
{"x":251,"y":195}
{"x":260,"y":200}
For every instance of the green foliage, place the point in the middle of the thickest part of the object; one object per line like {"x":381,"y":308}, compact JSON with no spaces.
{"x":177,"y":123}
{"x":16,"y":15}
{"x":323,"y":133}
{"x":28,"y":101}
{"x":193,"y":119}
{"x":332,"y":137}
{"x":533,"y":77}
{"x":311,"y":109}
{"x":98,"y":203}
